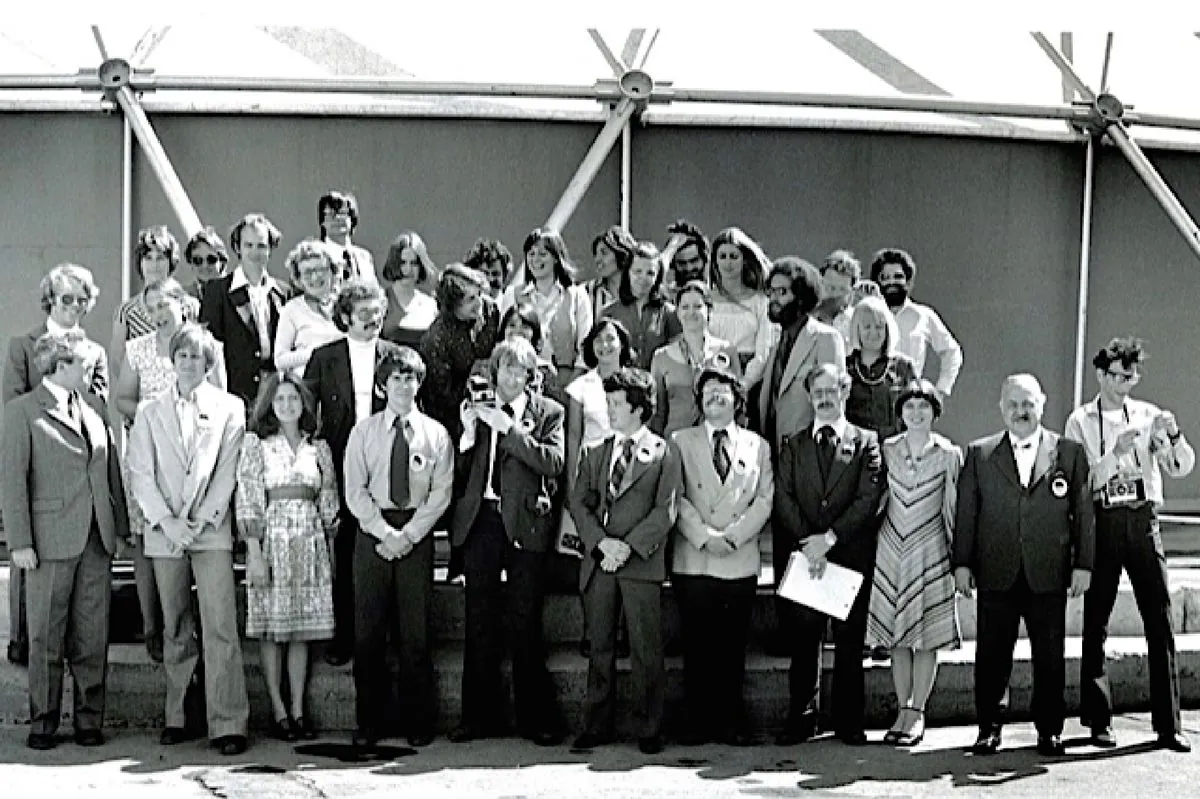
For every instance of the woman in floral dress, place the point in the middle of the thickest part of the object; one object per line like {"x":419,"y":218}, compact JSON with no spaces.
{"x":287,"y":505}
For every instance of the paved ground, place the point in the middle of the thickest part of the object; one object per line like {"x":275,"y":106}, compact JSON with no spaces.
{"x":132,"y":765}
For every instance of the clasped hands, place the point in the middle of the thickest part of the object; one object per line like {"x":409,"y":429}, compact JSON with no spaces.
{"x":616,"y":552}
{"x":816,"y":549}
{"x":718,"y":544}
{"x":181,"y":532}
{"x":394,"y":545}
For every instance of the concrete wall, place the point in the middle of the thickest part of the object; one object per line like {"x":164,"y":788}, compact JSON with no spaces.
{"x":992,"y":224}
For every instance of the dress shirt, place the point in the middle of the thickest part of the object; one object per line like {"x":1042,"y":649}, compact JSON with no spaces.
{"x":919,"y":326}
{"x":362,"y":375}
{"x":62,"y":396}
{"x":1025,"y":451}
{"x":185,"y":411}
{"x":730,"y":432}
{"x":55,"y":327}
{"x":1151,"y":455}
{"x":838,"y":426}
{"x":518,"y":410}
{"x":368,"y":468}
{"x":619,"y":441}
{"x":259,"y":304}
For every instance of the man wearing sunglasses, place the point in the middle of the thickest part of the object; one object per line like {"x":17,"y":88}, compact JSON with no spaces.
{"x":207,"y":254}
{"x":1129,"y":445}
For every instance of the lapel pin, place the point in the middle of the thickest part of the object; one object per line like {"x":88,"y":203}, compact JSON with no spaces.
{"x":1058,"y":486}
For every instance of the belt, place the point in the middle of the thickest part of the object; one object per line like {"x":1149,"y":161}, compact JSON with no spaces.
{"x":1129,"y":506}
{"x":291,"y":492}
{"x":397,"y":517}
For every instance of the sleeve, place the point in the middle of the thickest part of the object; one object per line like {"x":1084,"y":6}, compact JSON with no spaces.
{"x":966,"y":513}
{"x":751,"y":522}
{"x":764,"y":337}
{"x":948,"y":350}
{"x":438,"y":366}
{"x":328,"y":502}
{"x":542,"y":451}
{"x":139,"y":455}
{"x":356,"y":473}
{"x":691,"y":524}
{"x":585,"y":501}
{"x":658,"y":371}
{"x":250,"y":497}
{"x":211,"y":305}
{"x":216,"y":503}
{"x":15,"y":458}
{"x":442,"y":486}
{"x":126,"y":389}
{"x":856,"y":519}
{"x":582,"y":311}
{"x":648,"y":535}
{"x":787,"y":515}
{"x":954,"y":458}
{"x":1083,"y":527}
{"x":16,"y":370}
{"x":101,"y":380}
{"x":1102,"y":466}
{"x":287,"y":356}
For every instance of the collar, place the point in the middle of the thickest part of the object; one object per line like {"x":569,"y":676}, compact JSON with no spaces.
{"x":518,"y":405}
{"x":636,"y":438}
{"x":362,"y":346}
{"x":60,"y":394}
{"x":176,"y":397}
{"x":730,"y":430}
{"x":1032,"y":439}
{"x":839,"y":427}
{"x":390,"y":416}
{"x":239,"y":279}
{"x":908,"y":305}
{"x":55,"y":327}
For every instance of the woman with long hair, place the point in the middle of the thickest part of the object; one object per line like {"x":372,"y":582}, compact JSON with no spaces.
{"x":407,"y":271}
{"x":738,"y":270}
{"x":641,"y":307}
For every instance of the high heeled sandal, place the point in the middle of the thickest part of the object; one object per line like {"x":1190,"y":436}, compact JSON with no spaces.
{"x":907,"y":739}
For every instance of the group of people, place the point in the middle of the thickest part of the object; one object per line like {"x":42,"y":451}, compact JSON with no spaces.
{"x":669,"y":419}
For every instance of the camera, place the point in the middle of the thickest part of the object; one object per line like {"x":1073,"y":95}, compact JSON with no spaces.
{"x":480,"y":390}
{"x":1121,"y":491}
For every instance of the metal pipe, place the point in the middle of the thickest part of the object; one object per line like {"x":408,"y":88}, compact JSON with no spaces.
{"x":343,"y":85}
{"x":126,"y":208}
{"x":77,"y":81}
{"x":1158,"y":187}
{"x":590,"y":166}
{"x":159,"y":162}
{"x":626,"y":175}
{"x":1085,"y":265}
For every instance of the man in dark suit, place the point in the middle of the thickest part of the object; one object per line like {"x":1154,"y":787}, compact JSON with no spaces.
{"x":624,"y":504}
{"x":64,"y":512}
{"x":242,"y":308}
{"x":342,"y":376}
{"x":511,"y":453}
{"x":1024,"y":536}
{"x":68,"y":293}
{"x":827,"y":502}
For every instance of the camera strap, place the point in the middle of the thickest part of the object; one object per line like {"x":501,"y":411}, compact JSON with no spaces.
{"x":1100,"y":425}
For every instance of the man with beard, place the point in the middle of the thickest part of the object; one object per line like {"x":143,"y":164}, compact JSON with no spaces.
{"x":804,"y":343}
{"x":1023,"y":535}
{"x":920,"y":326}
{"x":687,"y":254}
{"x":840,"y":273}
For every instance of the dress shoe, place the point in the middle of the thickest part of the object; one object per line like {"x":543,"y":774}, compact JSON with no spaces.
{"x":987,"y":743}
{"x":337,"y":657}
{"x":591,"y":740}
{"x":1175,"y":741}
{"x":364,"y":738}
{"x":230,"y":745}
{"x":89,"y":738}
{"x":792,"y":736}
{"x":853,"y":738}
{"x":420,"y":739}
{"x":1050,"y":746}
{"x":18,"y":655}
{"x":281,"y":730}
{"x":545,"y":737}
{"x":1104,"y":737}
{"x":464,"y":733}
{"x":41,"y":741}
{"x":175,"y":735}
{"x":303,"y":729}
{"x":650,"y":744}
{"x":154,"y":647}
{"x":738,"y":738}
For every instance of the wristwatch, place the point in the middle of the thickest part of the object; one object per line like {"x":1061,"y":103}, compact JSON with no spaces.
{"x":830,"y":538}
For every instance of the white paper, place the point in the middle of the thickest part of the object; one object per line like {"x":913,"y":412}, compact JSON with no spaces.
{"x":833,"y":593}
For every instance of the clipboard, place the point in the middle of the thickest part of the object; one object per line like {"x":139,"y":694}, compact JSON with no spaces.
{"x":832,"y":594}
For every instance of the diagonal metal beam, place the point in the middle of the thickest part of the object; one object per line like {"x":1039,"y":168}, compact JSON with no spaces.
{"x":1064,"y":66}
{"x":617,"y":67}
{"x":1108,"y":42}
{"x":632,"y":42}
{"x":646,"y":52}
{"x":621,"y":113}
{"x":99,"y":42}
{"x":146,"y":45}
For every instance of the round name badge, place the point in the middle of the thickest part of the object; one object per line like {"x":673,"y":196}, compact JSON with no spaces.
{"x":527,"y":426}
{"x":417,"y":462}
{"x":1058,"y":487}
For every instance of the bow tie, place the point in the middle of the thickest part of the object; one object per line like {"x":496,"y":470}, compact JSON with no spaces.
{"x":1026,"y":445}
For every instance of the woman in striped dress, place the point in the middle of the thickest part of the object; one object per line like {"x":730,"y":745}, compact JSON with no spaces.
{"x":912,"y":609}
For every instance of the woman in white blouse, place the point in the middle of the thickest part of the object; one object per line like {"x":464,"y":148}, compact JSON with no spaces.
{"x":738,"y":269}
{"x":306,"y":322}
{"x":406,"y":271}
{"x":564,"y":307}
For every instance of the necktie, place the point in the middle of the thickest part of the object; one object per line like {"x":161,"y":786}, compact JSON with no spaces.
{"x":825,"y":447}
{"x":73,"y":409}
{"x":721,"y":454}
{"x":348,"y":271}
{"x":398,"y":479}
{"x":496,"y":453}
{"x":621,"y":466}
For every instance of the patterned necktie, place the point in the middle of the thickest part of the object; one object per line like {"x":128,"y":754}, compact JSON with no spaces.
{"x":621,"y":466}
{"x":398,"y":478}
{"x":721,"y":454}
{"x":825,"y":447}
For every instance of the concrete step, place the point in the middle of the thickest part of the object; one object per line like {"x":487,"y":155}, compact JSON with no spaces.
{"x":136,"y":686}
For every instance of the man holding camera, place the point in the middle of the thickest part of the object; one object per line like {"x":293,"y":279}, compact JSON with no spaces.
{"x":1129,"y":444}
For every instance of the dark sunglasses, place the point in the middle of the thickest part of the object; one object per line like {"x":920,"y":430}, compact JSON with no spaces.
{"x":211,"y":260}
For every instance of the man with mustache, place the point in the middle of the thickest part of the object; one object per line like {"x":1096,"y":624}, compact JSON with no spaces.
{"x":840,"y":273}
{"x":342,"y":376}
{"x":920,"y":326}
{"x":1023,"y":536}
{"x":686,"y":253}
{"x":827,"y":502}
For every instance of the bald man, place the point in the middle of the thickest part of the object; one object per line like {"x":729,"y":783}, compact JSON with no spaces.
{"x":1024,"y":537}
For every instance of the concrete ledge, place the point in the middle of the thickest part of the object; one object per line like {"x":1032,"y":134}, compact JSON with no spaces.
{"x":136,"y":686}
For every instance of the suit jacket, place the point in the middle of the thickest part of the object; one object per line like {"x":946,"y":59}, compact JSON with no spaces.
{"x":195,"y":484}
{"x":641,"y":514}
{"x":848,"y":501}
{"x":1046,"y":529}
{"x":21,"y":374}
{"x":816,"y":344}
{"x":229,"y":318}
{"x":530,"y":457}
{"x":55,"y":482}
{"x":740,"y":507}
{"x":328,"y":376}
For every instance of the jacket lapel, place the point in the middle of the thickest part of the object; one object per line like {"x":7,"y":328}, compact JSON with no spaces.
{"x":1047,"y":456}
{"x":240,"y":298}
{"x":168,"y":417}
{"x":55,"y":411}
{"x":842,"y":457}
{"x":1005,"y":461}
{"x":378,"y":397}
{"x":805,"y":342}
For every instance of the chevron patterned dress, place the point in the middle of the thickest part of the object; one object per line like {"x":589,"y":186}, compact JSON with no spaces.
{"x":912,"y":602}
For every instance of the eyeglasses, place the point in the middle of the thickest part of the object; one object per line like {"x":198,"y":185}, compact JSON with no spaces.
{"x":1124,"y":378}
{"x":315,"y":271}
{"x":329,"y":212}
{"x":69,"y":300}
{"x":211,"y":260}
